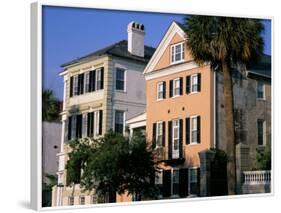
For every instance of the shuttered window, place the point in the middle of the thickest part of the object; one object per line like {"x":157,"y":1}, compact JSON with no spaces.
{"x":159,"y":134}
{"x":87,"y":82}
{"x":195,"y":130}
{"x":175,"y":181}
{"x":119,"y":121}
{"x":176,"y":88}
{"x":176,"y":138}
{"x":98,"y":79}
{"x":75,"y":85}
{"x":160,"y":90}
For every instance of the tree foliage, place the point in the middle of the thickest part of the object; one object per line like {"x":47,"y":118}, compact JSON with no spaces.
{"x":50,"y":106}
{"x":264,"y":158}
{"x":112,"y":164}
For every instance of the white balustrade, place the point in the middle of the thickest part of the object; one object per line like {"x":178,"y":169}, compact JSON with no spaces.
{"x":257,"y":177}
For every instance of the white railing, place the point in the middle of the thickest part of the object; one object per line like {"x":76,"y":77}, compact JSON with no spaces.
{"x":257,"y":177}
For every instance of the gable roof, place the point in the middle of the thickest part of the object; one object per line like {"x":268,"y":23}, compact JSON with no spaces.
{"x":172,"y":30}
{"x":119,"y":49}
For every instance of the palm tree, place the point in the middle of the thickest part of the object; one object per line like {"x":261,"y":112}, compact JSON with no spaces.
{"x":50,"y":106}
{"x":225,"y":41}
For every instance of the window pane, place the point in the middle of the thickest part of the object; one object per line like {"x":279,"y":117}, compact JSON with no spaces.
{"x":260,"y":132}
{"x":119,"y":120}
{"x":260,"y":89}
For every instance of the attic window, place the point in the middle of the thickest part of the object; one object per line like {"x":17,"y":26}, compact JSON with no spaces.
{"x":177,"y":53}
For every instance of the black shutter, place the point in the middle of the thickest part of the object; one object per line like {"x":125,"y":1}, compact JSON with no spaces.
{"x":180,"y":141}
{"x":183,"y":185}
{"x":154,"y":135}
{"x":171,"y":89}
{"x":164,"y":134}
{"x":164,"y":89}
{"x":69,"y":128}
{"x":79,"y":126}
{"x":102,"y":78}
{"x":166,"y":183}
{"x":93,"y":123}
{"x":80,"y":84}
{"x":199,"y":82}
{"x":187,"y":89}
{"x":71,"y":87}
{"x":92,"y":81}
{"x":100,"y":122}
{"x":187,"y":131}
{"x":198,"y":181}
{"x":170,"y":140}
{"x":181,"y":85}
{"x":198,"y":129}
{"x":90,"y":123}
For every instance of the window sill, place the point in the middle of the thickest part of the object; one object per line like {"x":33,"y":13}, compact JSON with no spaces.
{"x":261,"y":99}
{"x":177,"y":62}
{"x":193,"y":93}
{"x":120,"y":91}
{"x":161,"y":99}
{"x":176,"y":96}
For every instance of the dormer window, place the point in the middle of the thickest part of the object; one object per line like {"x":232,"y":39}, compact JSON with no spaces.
{"x":177,"y":53}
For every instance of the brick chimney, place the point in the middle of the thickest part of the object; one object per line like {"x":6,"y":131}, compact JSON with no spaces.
{"x":136,"y":38}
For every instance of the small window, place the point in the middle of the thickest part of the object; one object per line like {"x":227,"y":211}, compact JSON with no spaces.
{"x":82,"y":200}
{"x":160,"y":90}
{"x":261,"y":132}
{"x":194,"y":83}
{"x":177,"y":53}
{"x":119,"y":121}
{"x":175,"y":180}
{"x":260,"y":90}
{"x":193,"y":185}
{"x":194,"y":130}
{"x":94,"y":199}
{"x":176,"y":89}
{"x":120,"y":79}
{"x":159,"y":134}
{"x":71,"y":201}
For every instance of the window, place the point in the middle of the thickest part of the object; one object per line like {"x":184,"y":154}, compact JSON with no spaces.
{"x":75,"y":85}
{"x":119,"y":121}
{"x":194,"y":83}
{"x":176,"y":89}
{"x":120,"y":79}
{"x":98,"y":79}
{"x":194,"y":130}
{"x":159,"y":177}
{"x":159,"y":133}
{"x":175,"y":181}
{"x":193,"y":184}
{"x":82,"y":200}
{"x":261,"y":132}
{"x":160,"y":90}
{"x":71,"y":201}
{"x":97,"y":122}
{"x":177,"y":53}
{"x":176,"y":138}
{"x":87,"y":82}
{"x":94,"y":199}
{"x":90,"y":124}
{"x":260,"y":90}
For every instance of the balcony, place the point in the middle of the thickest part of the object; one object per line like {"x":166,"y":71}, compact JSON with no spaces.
{"x":162,"y":155}
{"x":256,"y":182}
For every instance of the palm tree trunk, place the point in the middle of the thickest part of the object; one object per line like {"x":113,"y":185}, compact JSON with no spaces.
{"x":229,"y":126}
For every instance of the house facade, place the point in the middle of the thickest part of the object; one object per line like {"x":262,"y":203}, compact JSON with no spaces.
{"x":185,"y":118}
{"x":98,"y":96}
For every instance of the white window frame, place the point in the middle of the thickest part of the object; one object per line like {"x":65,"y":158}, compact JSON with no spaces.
{"x":191,"y":83}
{"x":158,"y":124}
{"x":173,"y":53}
{"x":263,"y":90}
{"x":125,"y":74}
{"x":96,"y":123}
{"x":86,"y":81}
{"x":263,"y":132}
{"x":161,"y":83}
{"x":124,"y":119}
{"x":191,"y":129}
{"x":84,"y":124}
{"x":176,"y":153}
{"x":75,"y":85}
{"x":189,"y":178}
{"x":80,"y":200}
{"x":174,"y":87}
{"x":98,"y":74}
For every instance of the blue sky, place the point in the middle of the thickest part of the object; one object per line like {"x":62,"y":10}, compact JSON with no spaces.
{"x":69,"y":33}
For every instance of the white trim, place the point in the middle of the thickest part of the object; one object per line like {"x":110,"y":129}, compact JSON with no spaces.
{"x":172,"y":70}
{"x":173,"y":29}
